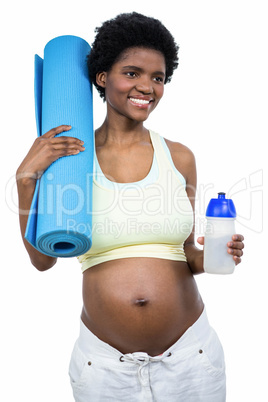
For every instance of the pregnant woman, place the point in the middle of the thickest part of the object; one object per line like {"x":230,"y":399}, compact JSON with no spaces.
{"x":144,"y":334}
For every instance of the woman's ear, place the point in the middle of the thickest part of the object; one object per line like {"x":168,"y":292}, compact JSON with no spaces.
{"x":101,"y":79}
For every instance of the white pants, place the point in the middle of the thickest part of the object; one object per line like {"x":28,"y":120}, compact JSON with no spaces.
{"x":191,"y":370}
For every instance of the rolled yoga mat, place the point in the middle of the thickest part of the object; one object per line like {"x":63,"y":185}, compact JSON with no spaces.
{"x":60,"y":220}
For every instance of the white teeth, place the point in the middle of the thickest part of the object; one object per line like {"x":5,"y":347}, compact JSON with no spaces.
{"x":140,"y":101}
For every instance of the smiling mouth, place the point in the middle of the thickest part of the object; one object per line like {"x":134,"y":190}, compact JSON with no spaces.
{"x":140,"y":101}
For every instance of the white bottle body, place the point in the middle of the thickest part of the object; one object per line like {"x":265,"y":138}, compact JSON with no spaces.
{"x":218,"y":233}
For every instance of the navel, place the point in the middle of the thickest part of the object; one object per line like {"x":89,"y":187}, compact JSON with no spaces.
{"x":141,"y":302}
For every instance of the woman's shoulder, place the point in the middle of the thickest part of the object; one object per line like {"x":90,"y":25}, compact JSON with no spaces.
{"x":181,"y":154}
{"x":183,"y":159}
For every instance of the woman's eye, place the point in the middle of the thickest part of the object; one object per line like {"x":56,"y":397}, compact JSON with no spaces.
{"x":159,"y":79}
{"x":131,"y":74}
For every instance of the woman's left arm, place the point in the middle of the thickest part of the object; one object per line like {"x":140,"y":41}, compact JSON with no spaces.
{"x":195,"y":256}
{"x":184,"y":161}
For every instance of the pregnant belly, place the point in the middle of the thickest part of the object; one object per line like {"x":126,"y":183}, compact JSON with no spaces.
{"x":140,"y":304}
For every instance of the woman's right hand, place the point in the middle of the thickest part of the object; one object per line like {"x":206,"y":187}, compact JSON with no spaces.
{"x":45,"y":150}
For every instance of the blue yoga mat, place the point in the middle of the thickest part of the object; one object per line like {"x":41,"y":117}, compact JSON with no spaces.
{"x":60,"y":221}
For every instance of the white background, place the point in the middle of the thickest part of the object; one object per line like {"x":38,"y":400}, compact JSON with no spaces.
{"x":216,"y":104}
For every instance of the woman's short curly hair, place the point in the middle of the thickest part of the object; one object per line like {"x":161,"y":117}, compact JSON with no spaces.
{"x":126,"y":31}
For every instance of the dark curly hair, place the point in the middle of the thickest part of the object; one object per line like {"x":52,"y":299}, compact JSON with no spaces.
{"x":125,"y":31}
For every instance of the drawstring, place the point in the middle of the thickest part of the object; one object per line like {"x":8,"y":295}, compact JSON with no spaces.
{"x":142,"y":360}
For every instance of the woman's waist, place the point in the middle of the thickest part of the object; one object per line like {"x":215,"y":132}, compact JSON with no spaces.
{"x":150,"y":330}
{"x":140,"y":303}
{"x":90,"y":344}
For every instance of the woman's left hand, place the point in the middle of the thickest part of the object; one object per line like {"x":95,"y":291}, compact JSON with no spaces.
{"x":235,"y":247}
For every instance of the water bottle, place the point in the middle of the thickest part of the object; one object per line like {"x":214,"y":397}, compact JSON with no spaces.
{"x":220,"y":227}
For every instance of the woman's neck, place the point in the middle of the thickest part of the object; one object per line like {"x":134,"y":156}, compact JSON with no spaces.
{"x":120,"y":133}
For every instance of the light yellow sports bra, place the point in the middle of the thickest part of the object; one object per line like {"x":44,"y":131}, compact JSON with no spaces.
{"x":149,"y":218}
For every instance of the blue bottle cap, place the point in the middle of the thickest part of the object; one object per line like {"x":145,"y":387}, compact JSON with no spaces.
{"x":221,"y":207}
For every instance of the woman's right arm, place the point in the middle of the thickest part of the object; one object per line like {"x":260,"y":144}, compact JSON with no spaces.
{"x":44,"y":151}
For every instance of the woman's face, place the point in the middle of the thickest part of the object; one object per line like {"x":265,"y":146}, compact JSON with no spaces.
{"x":135,"y":83}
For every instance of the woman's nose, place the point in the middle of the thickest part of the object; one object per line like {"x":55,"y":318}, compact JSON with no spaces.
{"x":144,"y":85}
